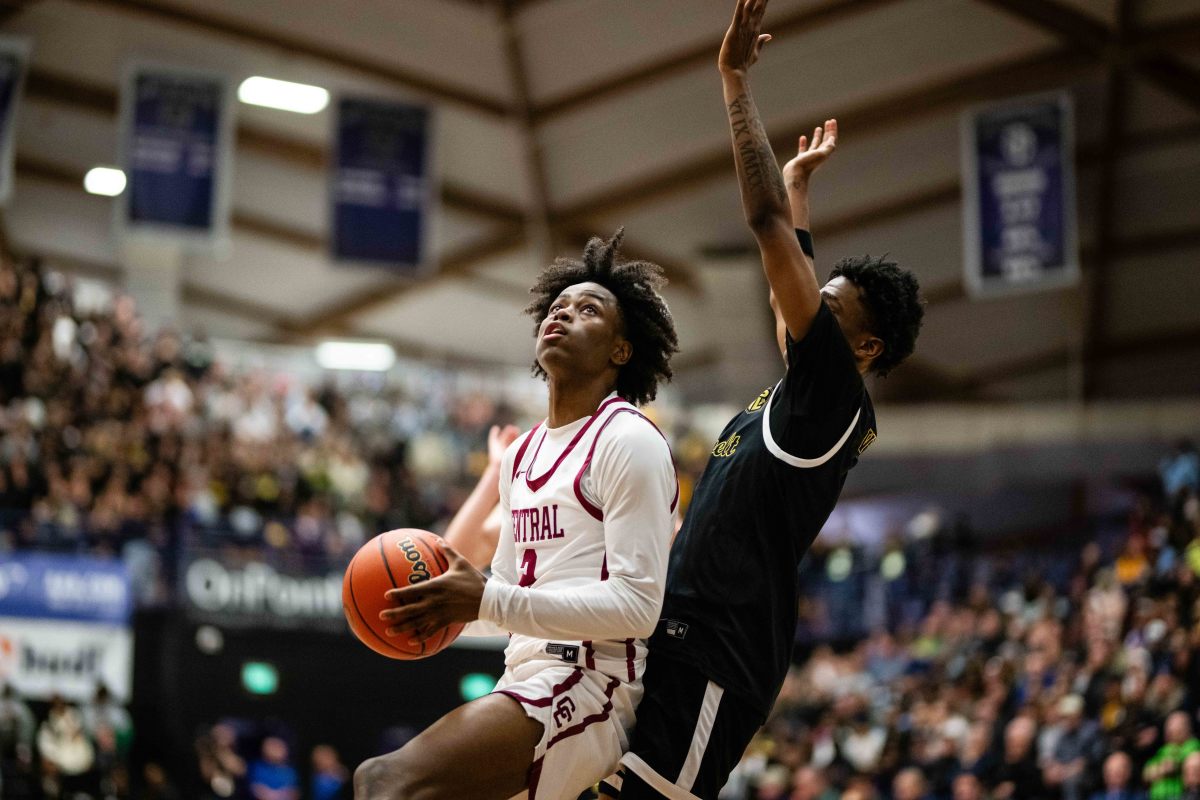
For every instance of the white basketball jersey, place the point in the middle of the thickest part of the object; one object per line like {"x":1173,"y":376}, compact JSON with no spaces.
{"x":557,"y":528}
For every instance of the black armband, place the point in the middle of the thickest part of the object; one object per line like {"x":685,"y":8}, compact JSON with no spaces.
{"x":806,"y":242}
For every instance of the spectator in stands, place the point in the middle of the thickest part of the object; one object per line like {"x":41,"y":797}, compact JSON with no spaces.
{"x":329,"y":775}
{"x":1076,"y":752}
{"x":1118,"y":774}
{"x":221,"y":769}
{"x":156,"y":785}
{"x":909,"y":784}
{"x":1180,"y":472}
{"x":272,"y":777}
{"x":1017,"y":777}
{"x":105,"y":713}
{"x":1191,"y":777}
{"x":966,"y":786}
{"x":67,"y":754}
{"x":17,"y":728}
{"x":1164,"y":771}
{"x":810,"y":784}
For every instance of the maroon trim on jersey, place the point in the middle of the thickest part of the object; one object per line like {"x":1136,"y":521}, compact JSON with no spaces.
{"x":587,"y":462}
{"x":521,"y":450}
{"x":630,"y":652}
{"x":535,"y":775}
{"x":555,"y":691}
{"x":535,"y":484}
{"x":588,"y":721}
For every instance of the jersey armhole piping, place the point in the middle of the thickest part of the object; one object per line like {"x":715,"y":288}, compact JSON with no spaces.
{"x":796,"y":461}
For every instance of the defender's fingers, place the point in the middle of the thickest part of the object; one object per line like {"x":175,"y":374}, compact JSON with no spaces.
{"x":816,"y":140}
{"x":803,"y":144}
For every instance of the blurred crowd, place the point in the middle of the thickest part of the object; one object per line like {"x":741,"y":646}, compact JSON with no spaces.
{"x":1011,"y":688}
{"x":929,"y":670}
{"x":114,"y":440}
{"x":71,"y":751}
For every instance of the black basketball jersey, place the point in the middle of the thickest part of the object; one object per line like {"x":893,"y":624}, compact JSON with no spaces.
{"x":770,"y":484}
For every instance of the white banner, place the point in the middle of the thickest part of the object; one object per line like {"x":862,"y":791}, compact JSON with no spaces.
{"x":40,"y":658}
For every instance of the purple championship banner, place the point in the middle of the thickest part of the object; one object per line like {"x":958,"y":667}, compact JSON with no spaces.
{"x":1019,"y":196}
{"x":382,"y":189}
{"x":176,"y":127}
{"x":14,"y":61}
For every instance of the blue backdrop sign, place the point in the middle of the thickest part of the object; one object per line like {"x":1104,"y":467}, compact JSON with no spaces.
{"x":382,"y":188}
{"x":14,"y":57}
{"x":1019,"y":196}
{"x":176,"y":129}
{"x":47,"y":586}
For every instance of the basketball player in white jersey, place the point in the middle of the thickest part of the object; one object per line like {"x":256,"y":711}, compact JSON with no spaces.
{"x":588,"y":500}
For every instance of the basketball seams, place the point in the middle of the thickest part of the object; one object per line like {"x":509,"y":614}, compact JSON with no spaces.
{"x":361,"y":616}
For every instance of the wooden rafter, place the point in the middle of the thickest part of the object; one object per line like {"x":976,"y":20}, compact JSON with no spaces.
{"x":535,"y":164}
{"x":337,"y":317}
{"x":1028,"y":73}
{"x":702,"y":55}
{"x":1079,"y":29}
{"x":411,"y":80}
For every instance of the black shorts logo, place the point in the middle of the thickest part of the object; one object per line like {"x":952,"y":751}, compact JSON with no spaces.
{"x":676,"y":629}
{"x":567,"y":652}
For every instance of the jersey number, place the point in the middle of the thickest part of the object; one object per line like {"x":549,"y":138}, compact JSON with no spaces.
{"x":528,"y":565}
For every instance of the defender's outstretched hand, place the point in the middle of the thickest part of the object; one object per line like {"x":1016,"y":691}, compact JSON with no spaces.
{"x":743,"y":42}
{"x":426,"y":608}
{"x":812,"y":154}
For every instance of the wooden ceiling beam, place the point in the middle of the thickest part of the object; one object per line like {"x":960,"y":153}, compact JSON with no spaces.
{"x":100,"y":100}
{"x":701,"y":55}
{"x":1113,"y":47}
{"x":1042,"y":70}
{"x":385,"y":70}
{"x":338,"y":316}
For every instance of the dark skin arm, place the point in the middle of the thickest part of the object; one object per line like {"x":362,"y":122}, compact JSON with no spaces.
{"x":765,"y":203}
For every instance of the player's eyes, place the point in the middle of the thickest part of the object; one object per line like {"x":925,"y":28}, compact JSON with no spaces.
{"x":590,"y":308}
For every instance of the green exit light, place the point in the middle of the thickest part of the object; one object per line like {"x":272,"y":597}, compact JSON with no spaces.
{"x":259,"y":677}
{"x":475,"y":685}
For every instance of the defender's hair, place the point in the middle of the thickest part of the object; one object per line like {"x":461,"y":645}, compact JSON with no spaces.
{"x":645,"y":318}
{"x":894,"y":308}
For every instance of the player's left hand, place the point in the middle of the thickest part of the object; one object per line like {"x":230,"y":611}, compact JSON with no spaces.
{"x":425,"y":608}
{"x":743,"y":42}
{"x":812,"y":153}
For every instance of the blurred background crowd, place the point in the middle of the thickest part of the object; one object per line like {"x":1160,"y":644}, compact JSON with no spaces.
{"x":1057,"y":668}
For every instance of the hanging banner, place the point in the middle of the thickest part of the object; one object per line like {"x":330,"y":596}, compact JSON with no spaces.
{"x":1019,"y":196}
{"x":383,"y":191}
{"x":14,"y":62}
{"x":64,"y":626}
{"x":176,"y":133}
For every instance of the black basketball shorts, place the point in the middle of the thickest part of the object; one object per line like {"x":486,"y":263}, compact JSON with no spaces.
{"x":689,"y":735}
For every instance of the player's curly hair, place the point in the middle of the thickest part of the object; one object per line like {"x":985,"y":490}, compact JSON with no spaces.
{"x":646,"y":320}
{"x":894,"y":306}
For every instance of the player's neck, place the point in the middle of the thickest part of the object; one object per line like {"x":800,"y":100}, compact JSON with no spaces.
{"x":574,"y":401}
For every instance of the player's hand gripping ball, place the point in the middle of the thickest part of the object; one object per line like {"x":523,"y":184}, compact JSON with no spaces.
{"x":393,"y":560}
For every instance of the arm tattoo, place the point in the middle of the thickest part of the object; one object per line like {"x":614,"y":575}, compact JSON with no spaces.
{"x":754,"y":149}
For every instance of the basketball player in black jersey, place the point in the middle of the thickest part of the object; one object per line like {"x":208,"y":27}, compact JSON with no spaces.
{"x":719,"y":654}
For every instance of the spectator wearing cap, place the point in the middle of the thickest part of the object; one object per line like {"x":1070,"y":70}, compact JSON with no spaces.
{"x":1118,"y":774}
{"x":1164,"y":771}
{"x":1076,"y":753}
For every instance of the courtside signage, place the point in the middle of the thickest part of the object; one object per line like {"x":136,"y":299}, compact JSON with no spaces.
{"x":14,"y":59}
{"x":255,"y":594}
{"x":47,"y":586}
{"x":382,"y":190}
{"x":1019,"y":196}
{"x":41,"y":658}
{"x":176,"y":130}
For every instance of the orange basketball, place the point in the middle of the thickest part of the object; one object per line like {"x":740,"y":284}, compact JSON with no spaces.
{"x":392,"y":560}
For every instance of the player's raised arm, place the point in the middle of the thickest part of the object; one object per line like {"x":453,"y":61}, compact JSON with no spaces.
{"x":764,"y":195}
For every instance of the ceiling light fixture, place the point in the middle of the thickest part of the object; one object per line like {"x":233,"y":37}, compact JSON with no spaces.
{"x":361,"y":356}
{"x":283,"y":95}
{"x":107,"y":181}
